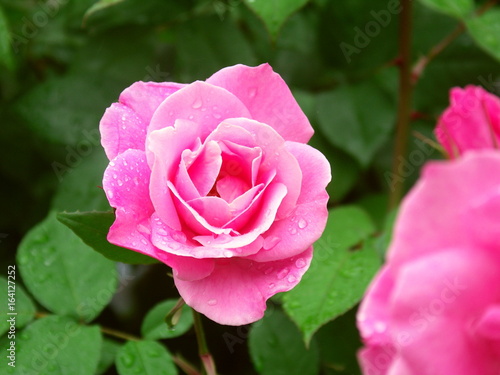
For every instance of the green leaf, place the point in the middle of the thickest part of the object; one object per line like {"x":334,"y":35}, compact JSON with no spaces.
{"x":99,"y":5}
{"x":63,"y":274}
{"x":455,"y":8}
{"x":217,"y":47}
{"x":276,"y":347}
{"x":154,"y":326}
{"x":145,"y":358}
{"x":93,"y":227}
{"x":6,"y":57}
{"x":56,"y":345}
{"x":338,"y":343}
{"x":275,"y":13}
{"x":485,"y":30}
{"x":357,"y":118}
{"x":338,"y":275}
{"x":22,"y":307}
{"x":80,"y":178}
{"x":109,"y":351}
{"x":66,"y":110}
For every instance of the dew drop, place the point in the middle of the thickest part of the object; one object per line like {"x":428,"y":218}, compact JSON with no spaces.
{"x":120,"y":183}
{"x":153,"y":353}
{"x":162,"y":232}
{"x":271,"y":285}
{"x":281,"y":275}
{"x":300,"y":263}
{"x":252,"y":92}
{"x":125,"y":163}
{"x":174,"y":245}
{"x":217,"y":116}
{"x":228,"y":254}
{"x":115,"y":176}
{"x":197,"y":104}
{"x":267,"y":271}
{"x":302,"y":223}
{"x":179,"y":237}
{"x":112,"y":163}
{"x":128,"y":360}
{"x":292,"y":229}
{"x":212,"y":302}
{"x":291,"y":279}
{"x":271,"y":242}
{"x":191,"y":117}
{"x":110,"y":194}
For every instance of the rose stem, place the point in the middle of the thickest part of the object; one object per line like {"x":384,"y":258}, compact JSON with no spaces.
{"x":405,"y":95}
{"x":445,"y":42}
{"x":206,"y":357}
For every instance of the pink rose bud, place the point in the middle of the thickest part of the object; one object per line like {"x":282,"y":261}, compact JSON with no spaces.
{"x":434,"y":308}
{"x":215,"y":180}
{"x":471,"y":122}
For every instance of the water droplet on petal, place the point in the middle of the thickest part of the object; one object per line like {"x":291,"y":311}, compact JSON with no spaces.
{"x":120,"y":183}
{"x":302,"y":223}
{"x":191,"y":117}
{"x":212,"y":302}
{"x":179,"y":237}
{"x":271,"y":285}
{"x":162,"y":232}
{"x":252,"y":92}
{"x":110,"y":194}
{"x":292,"y":279}
{"x":270,"y":242}
{"x":197,"y":104}
{"x":228,"y":254}
{"x":174,"y":245}
{"x":292,"y":229}
{"x":300,"y":263}
{"x":217,"y":116}
{"x":267,"y":271}
{"x":282,"y":274}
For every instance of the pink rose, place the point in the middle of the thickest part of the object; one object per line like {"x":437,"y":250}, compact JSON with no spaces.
{"x":471,"y":122}
{"x":434,"y":308}
{"x":215,"y":180}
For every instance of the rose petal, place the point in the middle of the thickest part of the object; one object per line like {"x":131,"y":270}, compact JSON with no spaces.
{"x":215,"y":210}
{"x":171,"y":242}
{"x":262,"y":220}
{"x":124,"y":124}
{"x":445,"y":196}
{"x":467,"y":123}
{"x":306,"y":223}
{"x":202,"y":103}
{"x":488,"y":325}
{"x":376,"y":359}
{"x":433,"y":308}
{"x":373,"y":313}
{"x":166,"y":146}
{"x":275,"y":156}
{"x":267,"y":97}
{"x":126,"y":184}
{"x":206,"y":167}
{"x":236,"y":291}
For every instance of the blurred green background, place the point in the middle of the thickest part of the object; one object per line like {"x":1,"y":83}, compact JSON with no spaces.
{"x":63,"y":62}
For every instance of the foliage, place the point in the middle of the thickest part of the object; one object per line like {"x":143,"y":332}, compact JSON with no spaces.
{"x":63,"y":62}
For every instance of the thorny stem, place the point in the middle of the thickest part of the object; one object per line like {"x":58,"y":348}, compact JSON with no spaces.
{"x":409,"y":77}
{"x":445,"y":42}
{"x":405,"y":94}
{"x":206,"y":357}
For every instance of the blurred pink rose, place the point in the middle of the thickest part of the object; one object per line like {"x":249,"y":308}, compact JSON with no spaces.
{"x":471,"y":122}
{"x":434,"y":308}
{"x":214,"y":179}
